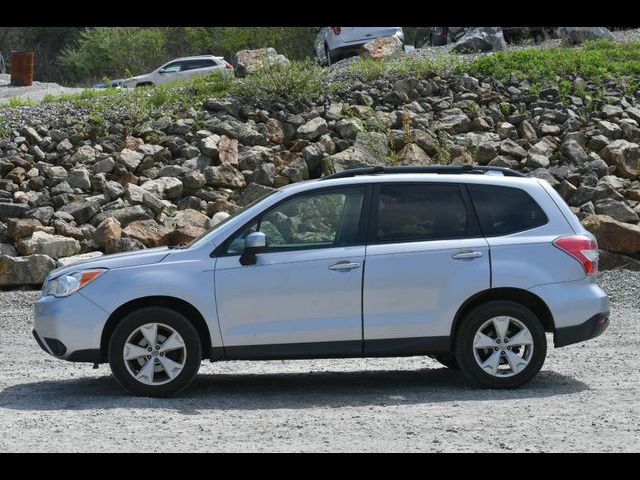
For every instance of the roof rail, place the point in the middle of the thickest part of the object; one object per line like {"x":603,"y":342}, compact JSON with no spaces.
{"x":443,"y":169}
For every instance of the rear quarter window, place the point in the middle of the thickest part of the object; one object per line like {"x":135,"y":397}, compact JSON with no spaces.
{"x":504,"y":210}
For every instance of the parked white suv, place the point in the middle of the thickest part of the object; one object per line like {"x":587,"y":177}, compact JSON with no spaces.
{"x":180,"y":69}
{"x":335,"y":43}
{"x":471,"y":265}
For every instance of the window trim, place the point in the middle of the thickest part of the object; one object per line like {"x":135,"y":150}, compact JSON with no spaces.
{"x":473,"y":228}
{"x":477,"y":215}
{"x":221,"y":250}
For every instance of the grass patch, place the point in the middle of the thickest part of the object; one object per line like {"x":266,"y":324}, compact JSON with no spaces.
{"x":595,"y":61}
{"x":403,"y":66}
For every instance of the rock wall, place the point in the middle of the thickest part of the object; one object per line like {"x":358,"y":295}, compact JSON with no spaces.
{"x":67,"y":192}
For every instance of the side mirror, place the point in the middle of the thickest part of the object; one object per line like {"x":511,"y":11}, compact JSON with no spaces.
{"x":254,"y":243}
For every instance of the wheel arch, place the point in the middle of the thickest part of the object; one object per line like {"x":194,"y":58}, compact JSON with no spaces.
{"x":518,"y":295}
{"x":173,"y":303}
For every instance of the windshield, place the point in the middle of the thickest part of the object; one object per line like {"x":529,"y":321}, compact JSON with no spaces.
{"x":202,"y":237}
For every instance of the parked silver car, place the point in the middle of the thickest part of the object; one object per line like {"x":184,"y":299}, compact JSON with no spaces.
{"x":179,"y":69}
{"x":335,"y":43}
{"x":471,"y":265}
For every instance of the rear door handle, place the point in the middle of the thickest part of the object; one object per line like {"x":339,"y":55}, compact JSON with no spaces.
{"x":344,"y":266}
{"x":466,"y":255}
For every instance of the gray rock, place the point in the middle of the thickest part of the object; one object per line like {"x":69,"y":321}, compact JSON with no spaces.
{"x":209,"y":146}
{"x":12,"y":210}
{"x":252,"y":193}
{"x":246,"y":62}
{"x":54,"y":246}
{"x":164,"y":187}
{"x":104,"y":166}
{"x":130,"y":159}
{"x":85,"y":154}
{"x":574,"y":152}
{"x":265,"y":174}
{"x":313,"y":129}
{"x":578,"y":35}
{"x":348,"y":128}
{"x":79,"y":178}
{"x":81,"y":212}
{"x":616,"y":210}
{"x":29,"y":270}
{"x":481,"y":39}
{"x":297,"y":170}
{"x":224,"y":176}
{"x":124,"y":215}
{"x":381,"y":47}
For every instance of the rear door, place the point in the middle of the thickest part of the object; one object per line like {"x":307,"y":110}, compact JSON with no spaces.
{"x":425,"y":257}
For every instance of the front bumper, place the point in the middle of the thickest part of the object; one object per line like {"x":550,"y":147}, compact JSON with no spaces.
{"x":579,"y":333}
{"x":70,"y":328}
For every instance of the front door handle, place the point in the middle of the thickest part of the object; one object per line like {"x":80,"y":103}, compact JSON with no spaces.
{"x":344,"y":266}
{"x":468,"y":255}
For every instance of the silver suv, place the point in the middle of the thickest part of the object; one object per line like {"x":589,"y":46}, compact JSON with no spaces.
{"x":469,"y":265}
{"x":332,"y":44}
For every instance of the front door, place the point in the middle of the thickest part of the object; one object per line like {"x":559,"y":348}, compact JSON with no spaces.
{"x":303,"y":296}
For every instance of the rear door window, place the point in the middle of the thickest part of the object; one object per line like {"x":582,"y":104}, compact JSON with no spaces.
{"x":504,"y":210}
{"x":420,"y":212}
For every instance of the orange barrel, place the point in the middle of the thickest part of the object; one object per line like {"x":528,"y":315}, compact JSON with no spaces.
{"x":22,"y":68}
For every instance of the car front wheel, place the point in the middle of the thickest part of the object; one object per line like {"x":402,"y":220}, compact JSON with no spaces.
{"x":501,"y":344}
{"x":155,"y":352}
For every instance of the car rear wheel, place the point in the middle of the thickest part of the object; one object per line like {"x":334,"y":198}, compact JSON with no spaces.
{"x":155,"y":352}
{"x":501,"y":344}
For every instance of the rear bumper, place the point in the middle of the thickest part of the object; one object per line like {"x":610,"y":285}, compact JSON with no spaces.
{"x":579,"y":333}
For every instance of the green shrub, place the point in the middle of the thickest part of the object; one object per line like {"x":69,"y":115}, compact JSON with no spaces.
{"x":402,"y":66}
{"x":290,"y":82}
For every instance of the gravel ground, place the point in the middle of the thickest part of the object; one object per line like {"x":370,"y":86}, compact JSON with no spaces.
{"x":587,"y":397}
{"x":35,"y":92}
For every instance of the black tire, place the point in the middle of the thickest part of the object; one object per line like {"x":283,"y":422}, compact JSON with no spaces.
{"x":160,"y":315}
{"x":447,"y":359}
{"x":330,"y":61}
{"x":465,"y":338}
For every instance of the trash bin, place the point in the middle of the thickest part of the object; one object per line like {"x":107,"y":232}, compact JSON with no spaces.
{"x":22,"y":69}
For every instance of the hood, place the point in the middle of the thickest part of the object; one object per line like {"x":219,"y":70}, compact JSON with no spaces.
{"x":118,"y":260}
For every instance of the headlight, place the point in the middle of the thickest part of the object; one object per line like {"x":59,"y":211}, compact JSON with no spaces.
{"x":65,"y":285}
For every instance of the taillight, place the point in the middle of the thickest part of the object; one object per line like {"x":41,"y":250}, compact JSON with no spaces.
{"x":336,"y":30}
{"x":228,"y":66}
{"x":582,"y":249}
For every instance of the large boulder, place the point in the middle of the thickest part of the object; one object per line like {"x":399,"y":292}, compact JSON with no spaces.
{"x":108,"y":230}
{"x":246,"y":62}
{"x":29,"y":270}
{"x":625,"y":156}
{"x":164,"y":187}
{"x":370,"y":149}
{"x":613,"y":235}
{"x":12,"y":210}
{"x":148,"y":232}
{"x":481,"y":39}
{"x":82,"y":212}
{"x":578,"y":35}
{"x":54,"y":246}
{"x":381,"y":47}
